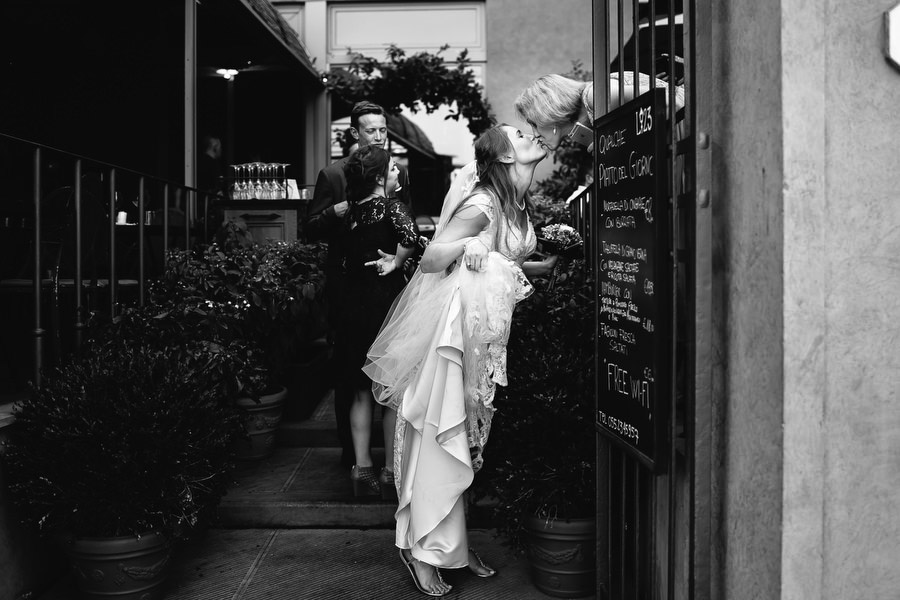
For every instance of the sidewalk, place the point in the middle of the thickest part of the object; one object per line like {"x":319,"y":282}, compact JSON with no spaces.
{"x":291,"y":529}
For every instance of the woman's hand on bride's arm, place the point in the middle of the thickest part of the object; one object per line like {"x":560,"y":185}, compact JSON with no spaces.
{"x":540,"y":268}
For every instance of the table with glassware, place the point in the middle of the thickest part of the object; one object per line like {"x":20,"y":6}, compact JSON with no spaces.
{"x":260,"y":181}
{"x":266,"y":200}
{"x":267,"y":220}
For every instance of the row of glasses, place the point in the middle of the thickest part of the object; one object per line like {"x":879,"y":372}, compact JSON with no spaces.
{"x":259,"y":181}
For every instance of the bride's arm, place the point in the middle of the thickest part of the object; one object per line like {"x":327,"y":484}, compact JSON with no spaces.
{"x":450,"y":244}
{"x":539,"y":268}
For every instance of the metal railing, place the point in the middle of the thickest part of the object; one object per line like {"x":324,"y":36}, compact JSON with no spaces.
{"x":63,"y":230}
{"x":648,"y":519}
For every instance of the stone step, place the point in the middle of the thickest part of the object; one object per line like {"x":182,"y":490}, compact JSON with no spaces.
{"x":302,"y":484}
{"x":317,"y":434}
{"x":301,"y":487}
{"x":319,"y":430}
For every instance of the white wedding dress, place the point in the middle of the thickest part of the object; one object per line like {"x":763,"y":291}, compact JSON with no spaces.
{"x":437,"y":361}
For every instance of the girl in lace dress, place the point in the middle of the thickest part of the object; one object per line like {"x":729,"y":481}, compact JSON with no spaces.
{"x":379,"y":236}
{"x":442,"y":351}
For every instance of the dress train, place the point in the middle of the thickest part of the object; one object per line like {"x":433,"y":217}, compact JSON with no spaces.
{"x":436,"y":467}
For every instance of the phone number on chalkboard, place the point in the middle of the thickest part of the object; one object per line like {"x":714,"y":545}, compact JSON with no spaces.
{"x":624,"y":429}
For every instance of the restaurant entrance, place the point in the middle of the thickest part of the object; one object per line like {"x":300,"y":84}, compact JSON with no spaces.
{"x":651,"y":258}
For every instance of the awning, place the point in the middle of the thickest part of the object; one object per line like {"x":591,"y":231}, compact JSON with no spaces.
{"x":410,"y":135}
{"x":263,"y":42}
{"x":269,"y":16}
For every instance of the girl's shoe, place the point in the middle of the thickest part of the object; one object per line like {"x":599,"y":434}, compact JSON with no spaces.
{"x":386,"y":481}
{"x":484,"y":570}
{"x":365,"y":481}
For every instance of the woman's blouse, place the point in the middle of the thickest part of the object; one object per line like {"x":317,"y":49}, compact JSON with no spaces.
{"x":377,"y":209}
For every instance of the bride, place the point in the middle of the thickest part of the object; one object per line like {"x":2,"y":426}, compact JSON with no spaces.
{"x":442,"y":350}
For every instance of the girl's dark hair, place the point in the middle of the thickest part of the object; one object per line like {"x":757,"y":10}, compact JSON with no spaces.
{"x":363,"y":169}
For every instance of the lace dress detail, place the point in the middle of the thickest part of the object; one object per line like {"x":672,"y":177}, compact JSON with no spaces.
{"x":366,"y":296}
{"x":488,"y":300}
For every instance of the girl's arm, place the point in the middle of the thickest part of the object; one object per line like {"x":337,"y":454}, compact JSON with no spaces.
{"x":388,"y":263}
{"x":405,"y":231}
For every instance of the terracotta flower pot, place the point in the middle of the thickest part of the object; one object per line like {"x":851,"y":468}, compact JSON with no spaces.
{"x":561,"y":553}
{"x":262,"y":422}
{"x":119,"y":568}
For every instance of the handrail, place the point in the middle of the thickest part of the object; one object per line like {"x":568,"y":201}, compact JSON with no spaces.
{"x":49,"y":163}
{"x":579,"y":212}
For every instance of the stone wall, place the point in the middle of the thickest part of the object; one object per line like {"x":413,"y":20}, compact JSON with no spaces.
{"x":805,"y":147}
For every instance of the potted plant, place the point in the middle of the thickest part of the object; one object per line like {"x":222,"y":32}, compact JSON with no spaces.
{"x":267,"y":294}
{"x":123,"y":449}
{"x":540,"y":459}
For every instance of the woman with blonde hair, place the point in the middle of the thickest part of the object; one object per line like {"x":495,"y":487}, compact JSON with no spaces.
{"x":558,"y":107}
{"x":442,"y":351}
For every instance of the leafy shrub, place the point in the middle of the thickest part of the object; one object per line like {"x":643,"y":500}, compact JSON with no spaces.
{"x":127,"y":438}
{"x":541,"y":454}
{"x":267,"y":294}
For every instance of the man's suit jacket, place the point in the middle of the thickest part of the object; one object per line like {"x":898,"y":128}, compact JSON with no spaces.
{"x":331,"y":188}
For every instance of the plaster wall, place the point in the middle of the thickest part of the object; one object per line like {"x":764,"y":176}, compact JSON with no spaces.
{"x":806,"y":141}
{"x":748,"y":252}
{"x":527,"y":39}
{"x":861,"y":253}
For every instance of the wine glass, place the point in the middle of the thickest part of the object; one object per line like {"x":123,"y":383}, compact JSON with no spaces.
{"x":256,"y":185}
{"x":243,"y":192}
{"x":284,"y":183}
{"x":279,"y":190}
{"x":235,"y":183}
{"x":267,"y":181}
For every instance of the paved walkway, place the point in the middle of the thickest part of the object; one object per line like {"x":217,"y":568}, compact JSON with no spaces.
{"x":290,"y":528}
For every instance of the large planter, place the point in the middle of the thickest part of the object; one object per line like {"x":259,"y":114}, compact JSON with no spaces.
{"x":562,"y":556}
{"x":261,"y":425}
{"x":119,"y":568}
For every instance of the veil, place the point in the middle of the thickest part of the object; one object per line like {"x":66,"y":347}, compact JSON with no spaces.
{"x":459,"y":190}
{"x":394,"y":357}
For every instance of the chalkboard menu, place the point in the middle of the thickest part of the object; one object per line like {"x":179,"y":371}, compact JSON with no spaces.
{"x":633,"y":276}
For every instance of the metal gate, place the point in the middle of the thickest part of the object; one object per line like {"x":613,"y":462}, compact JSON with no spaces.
{"x":650,"y":245}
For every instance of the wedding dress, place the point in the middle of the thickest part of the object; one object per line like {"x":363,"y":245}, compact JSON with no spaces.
{"x":437,"y":360}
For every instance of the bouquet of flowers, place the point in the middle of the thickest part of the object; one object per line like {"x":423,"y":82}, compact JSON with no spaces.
{"x":563,"y":240}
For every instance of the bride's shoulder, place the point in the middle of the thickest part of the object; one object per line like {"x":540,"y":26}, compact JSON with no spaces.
{"x":480,"y":200}
{"x":480,"y":197}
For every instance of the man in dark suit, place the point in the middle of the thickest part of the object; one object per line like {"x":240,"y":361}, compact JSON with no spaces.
{"x":368,"y":126}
